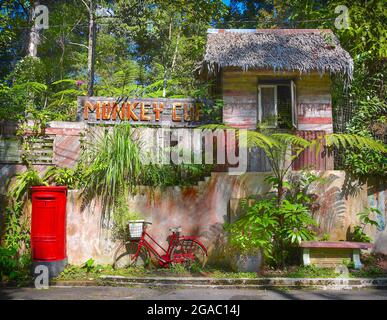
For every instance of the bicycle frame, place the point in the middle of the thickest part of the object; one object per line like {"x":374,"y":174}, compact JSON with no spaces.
{"x":163,"y":259}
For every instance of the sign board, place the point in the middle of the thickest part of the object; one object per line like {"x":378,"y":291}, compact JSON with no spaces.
{"x":182,"y":112}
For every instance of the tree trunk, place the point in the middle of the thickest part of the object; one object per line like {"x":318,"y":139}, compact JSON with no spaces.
{"x":91,"y":50}
{"x":165,"y":75}
{"x":280,"y":192}
{"x":34,"y":37}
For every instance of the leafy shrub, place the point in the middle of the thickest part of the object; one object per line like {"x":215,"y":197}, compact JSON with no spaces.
{"x":14,"y":266}
{"x":358,"y":233}
{"x":368,"y":121}
{"x":16,"y":231}
{"x":8,"y":262}
{"x":275,"y":224}
{"x":89,"y":265}
{"x":23,"y":182}
{"x":63,"y":177}
{"x":272,"y":228}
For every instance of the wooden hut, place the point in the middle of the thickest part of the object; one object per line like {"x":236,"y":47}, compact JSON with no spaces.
{"x":279,"y":78}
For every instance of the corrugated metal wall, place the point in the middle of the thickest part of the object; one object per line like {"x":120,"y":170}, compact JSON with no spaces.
{"x":308,"y":158}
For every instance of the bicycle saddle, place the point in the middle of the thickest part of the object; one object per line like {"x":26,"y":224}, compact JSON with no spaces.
{"x":175,"y":229}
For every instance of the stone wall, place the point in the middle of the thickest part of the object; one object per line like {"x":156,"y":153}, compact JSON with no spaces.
{"x":203,"y":209}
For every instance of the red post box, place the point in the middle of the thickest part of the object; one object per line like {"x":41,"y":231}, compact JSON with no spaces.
{"x":48,"y":228}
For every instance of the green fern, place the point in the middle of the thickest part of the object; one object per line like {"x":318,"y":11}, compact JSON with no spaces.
{"x":354,"y":141}
{"x":35,"y":87}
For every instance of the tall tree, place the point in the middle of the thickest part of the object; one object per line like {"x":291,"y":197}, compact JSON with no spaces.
{"x":163,"y":33}
{"x":91,"y":46}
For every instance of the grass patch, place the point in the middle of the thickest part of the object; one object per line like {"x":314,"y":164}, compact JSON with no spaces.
{"x":312,"y":272}
{"x":301,"y":272}
{"x":72,"y":272}
{"x":233,"y":275}
{"x":374,"y":266}
{"x":369,"y":272}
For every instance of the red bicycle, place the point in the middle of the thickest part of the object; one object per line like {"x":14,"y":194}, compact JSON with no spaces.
{"x":138,"y":249}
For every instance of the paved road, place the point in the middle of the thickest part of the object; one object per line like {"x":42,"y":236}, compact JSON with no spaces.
{"x":123,"y":293}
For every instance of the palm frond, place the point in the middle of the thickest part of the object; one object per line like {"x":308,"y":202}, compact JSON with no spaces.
{"x":256,"y":139}
{"x":354,"y":141}
{"x":291,"y":140}
{"x":216,"y":127}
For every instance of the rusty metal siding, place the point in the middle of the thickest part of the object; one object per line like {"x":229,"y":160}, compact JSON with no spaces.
{"x":308,"y":158}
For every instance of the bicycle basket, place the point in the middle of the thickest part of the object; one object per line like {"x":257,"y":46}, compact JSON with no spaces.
{"x":135,"y":229}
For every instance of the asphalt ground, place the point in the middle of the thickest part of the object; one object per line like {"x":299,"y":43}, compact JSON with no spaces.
{"x":200,"y":294}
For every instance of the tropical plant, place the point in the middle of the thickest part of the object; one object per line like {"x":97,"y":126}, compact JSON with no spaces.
{"x":283,"y":149}
{"x":89,"y":265}
{"x":19,"y":188}
{"x":358,"y":233}
{"x":62,"y":101}
{"x":272,"y":228}
{"x":113,"y":165}
{"x":255,"y":229}
{"x":293,"y":220}
{"x":16,"y":234}
{"x":369,"y":121}
{"x":63,"y":177}
{"x":8,"y":263}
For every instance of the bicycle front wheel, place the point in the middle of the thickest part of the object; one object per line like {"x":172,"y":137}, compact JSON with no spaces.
{"x":189,"y":253}
{"x":125,"y":253}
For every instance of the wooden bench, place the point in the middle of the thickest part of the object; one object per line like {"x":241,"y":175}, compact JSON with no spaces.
{"x":331,"y":253}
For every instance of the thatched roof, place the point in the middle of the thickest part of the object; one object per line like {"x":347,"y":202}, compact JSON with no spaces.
{"x":302,"y":50}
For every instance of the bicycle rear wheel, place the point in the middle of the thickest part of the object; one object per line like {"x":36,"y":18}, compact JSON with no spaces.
{"x":124,"y":256}
{"x":185,"y":249}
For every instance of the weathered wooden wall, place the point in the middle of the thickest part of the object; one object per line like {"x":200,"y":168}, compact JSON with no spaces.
{"x":314,"y":102}
{"x":240,"y":97}
{"x":60,"y":146}
{"x":314,"y":109}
